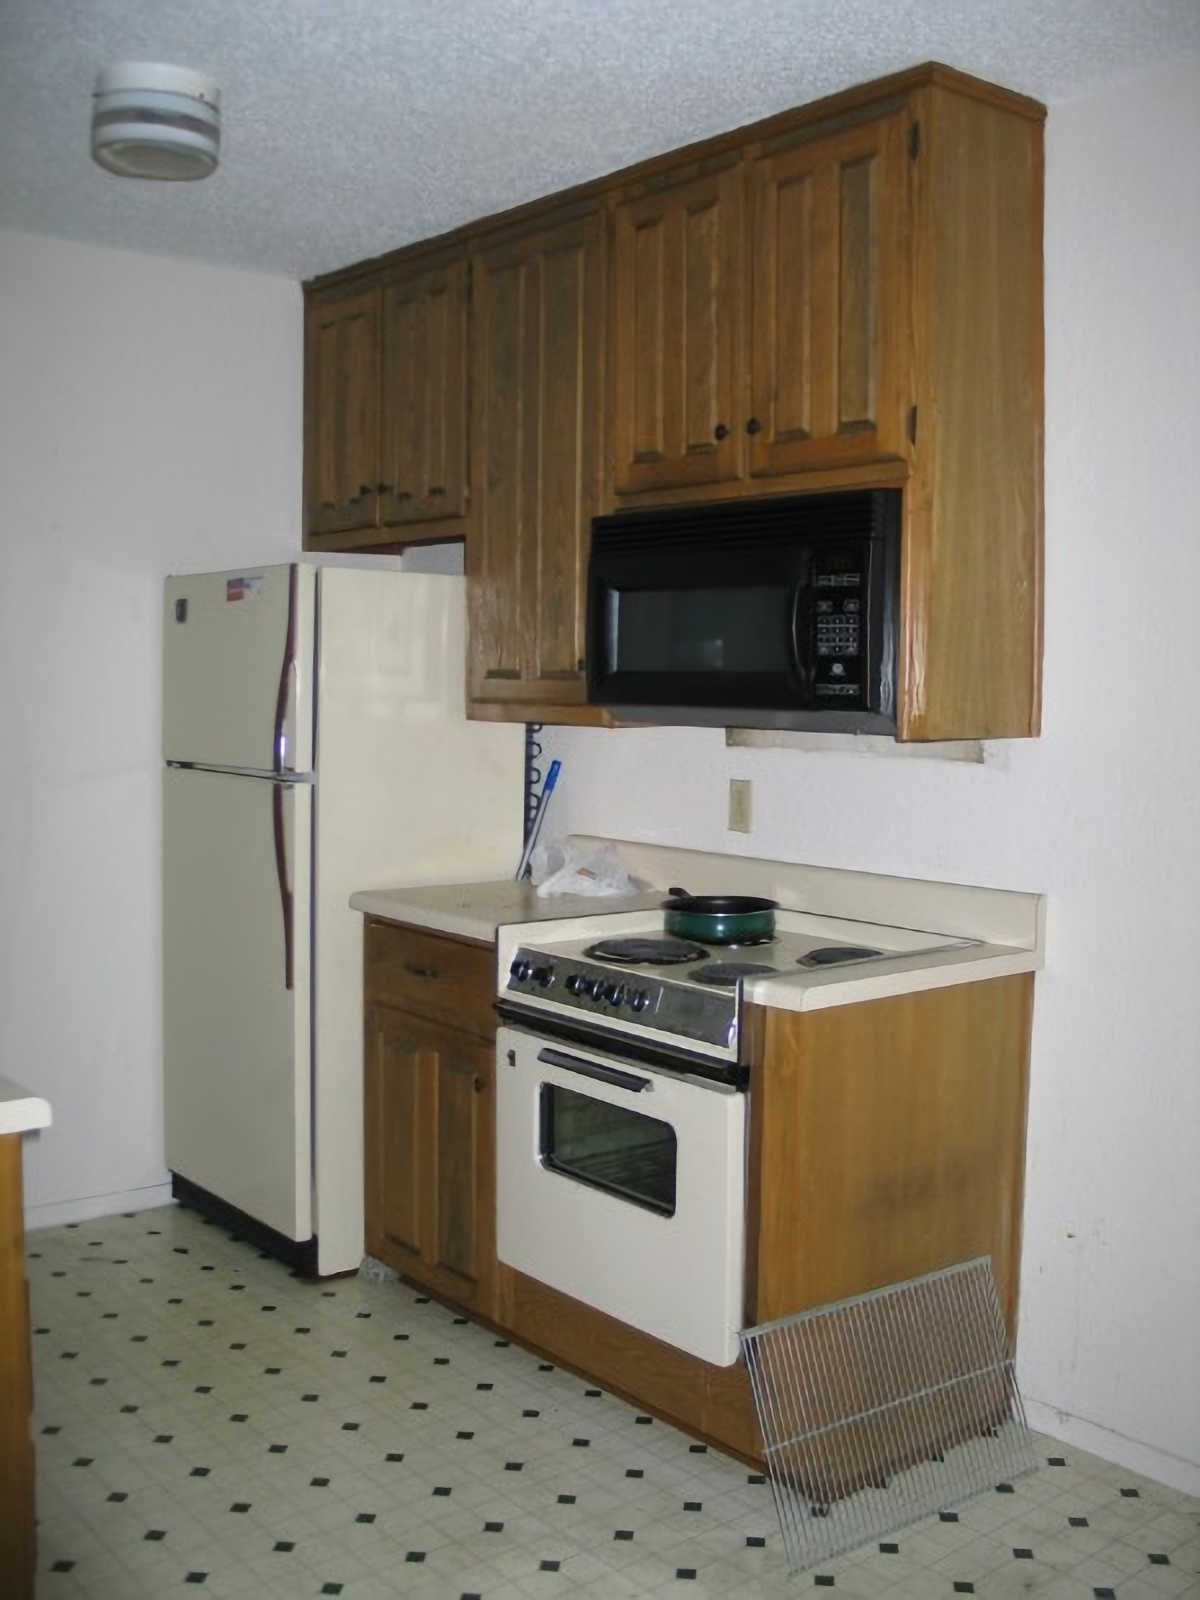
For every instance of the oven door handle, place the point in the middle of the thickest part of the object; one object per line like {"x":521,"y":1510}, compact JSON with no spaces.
{"x":593,"y":1069}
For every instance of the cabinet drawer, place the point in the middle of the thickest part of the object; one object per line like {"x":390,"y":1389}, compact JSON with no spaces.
{"x":432,"y":975}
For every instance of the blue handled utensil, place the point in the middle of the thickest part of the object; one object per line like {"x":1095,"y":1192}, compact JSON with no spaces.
{"x":538,"y":818}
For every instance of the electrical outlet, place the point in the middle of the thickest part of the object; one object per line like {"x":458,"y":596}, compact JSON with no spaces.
{"x":739,"y":805}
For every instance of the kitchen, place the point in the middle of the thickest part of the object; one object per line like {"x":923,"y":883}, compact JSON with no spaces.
{"x":180,"y":462}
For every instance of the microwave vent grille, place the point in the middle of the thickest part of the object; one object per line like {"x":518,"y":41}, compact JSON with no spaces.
{"x":747,"y":524}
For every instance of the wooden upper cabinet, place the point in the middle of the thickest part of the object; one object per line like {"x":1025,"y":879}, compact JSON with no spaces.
{"x":536,"y":382}
{"x":676,"y":307}
{"x":759,"y":322}
{"x":424,"y":394}
{"x":341,"y":389}
{"x":847,"y":295}
{"x":828,"y":325}
{"x":386,"y":403}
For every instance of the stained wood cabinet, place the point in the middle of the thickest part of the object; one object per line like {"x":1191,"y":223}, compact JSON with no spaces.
{"x":537,"y":364}
{"x":881,"y":326}
{"x":385,"y":404}
{"x":678,"y":394}
{"x":887,"y":1141}
{"x":845,"y":295}
{"x":429,"y":1121}
{"x":758,"y":316}
{"x":828,"y":312}
{"x":18,"y":1529}
{"x":341,"y":398}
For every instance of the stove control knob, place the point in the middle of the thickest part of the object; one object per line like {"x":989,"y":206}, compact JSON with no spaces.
{"x":614,"y":993}
{"x":593,"y":988}
{"x":575,"y":983}
{"x":520,"y":970}
{"x":639,"y":999}
{"x":543,"y":977}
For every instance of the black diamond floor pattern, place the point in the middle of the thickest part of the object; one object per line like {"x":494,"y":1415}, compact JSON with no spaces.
{"x":206,"y":1423}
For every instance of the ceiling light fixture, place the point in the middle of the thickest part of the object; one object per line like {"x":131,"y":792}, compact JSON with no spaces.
{"x":155,"y":121}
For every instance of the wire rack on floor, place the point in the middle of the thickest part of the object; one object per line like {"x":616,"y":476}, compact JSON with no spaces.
{"x":881,"y":1409}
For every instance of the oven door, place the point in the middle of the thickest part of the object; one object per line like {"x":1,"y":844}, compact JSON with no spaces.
{"x":623,"y":1186}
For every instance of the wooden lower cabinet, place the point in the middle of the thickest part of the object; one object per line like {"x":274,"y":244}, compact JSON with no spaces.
{"x":887,"y":1140}
{"x":430,"y":1155}
{"x":17,"y":1526}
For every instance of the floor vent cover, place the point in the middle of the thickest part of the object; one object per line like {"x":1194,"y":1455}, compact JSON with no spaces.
{"x":884,"y":1408}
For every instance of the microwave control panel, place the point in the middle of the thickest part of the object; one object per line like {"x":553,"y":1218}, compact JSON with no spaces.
{"x":837,"y":627}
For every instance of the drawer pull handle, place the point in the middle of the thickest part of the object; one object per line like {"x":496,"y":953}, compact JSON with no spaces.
{"x":420,"y":972}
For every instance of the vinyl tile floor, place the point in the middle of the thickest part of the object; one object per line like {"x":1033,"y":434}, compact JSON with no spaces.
{"x":208,"y":1424}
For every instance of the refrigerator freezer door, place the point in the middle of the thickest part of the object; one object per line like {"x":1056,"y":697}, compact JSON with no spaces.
{"x":236,"y":917}
{"x":237,"y":668}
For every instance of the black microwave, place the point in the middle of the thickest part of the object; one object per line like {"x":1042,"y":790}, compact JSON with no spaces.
{"x":776,"y":613}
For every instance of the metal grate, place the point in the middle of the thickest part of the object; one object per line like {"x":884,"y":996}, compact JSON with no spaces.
{"x":883,"y":1408}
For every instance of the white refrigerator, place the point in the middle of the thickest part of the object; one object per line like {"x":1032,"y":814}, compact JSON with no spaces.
{"x":315,"y":742}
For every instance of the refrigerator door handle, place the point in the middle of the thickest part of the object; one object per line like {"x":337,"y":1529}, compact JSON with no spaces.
{"x":286,"y":668}
{"x":285,"y":893}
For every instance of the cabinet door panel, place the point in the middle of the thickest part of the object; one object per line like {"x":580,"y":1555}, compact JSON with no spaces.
{"x":424,"y":395}
{"x":464,"y":1072}
{"x":536,"y":366}
{"x":396,"y":1146}
{"x":429,"y":1131}
{"x":677,"y":266}
{"x":829,"y":327}
{"x":342,"y":412}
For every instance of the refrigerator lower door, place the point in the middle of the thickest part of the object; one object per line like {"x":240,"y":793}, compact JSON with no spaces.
{"x":237,"y":668}
{"x":236,"y":920}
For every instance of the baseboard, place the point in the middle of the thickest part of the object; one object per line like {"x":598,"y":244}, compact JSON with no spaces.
{"x":1161,"y":1465}
{"x":54,"y":1213}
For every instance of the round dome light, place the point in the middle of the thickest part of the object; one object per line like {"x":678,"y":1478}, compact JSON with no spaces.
{"x":155,"y":121}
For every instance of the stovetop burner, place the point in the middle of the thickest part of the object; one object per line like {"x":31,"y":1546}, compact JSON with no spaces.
{"x":725,"y":974}
{"x":648,"y":952}
{"x":831,"y":955}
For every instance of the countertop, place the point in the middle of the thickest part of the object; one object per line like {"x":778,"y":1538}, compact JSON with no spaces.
{"x":20,"y":1111}
{"x":476,"y":910}
{"x":1007,"y":926}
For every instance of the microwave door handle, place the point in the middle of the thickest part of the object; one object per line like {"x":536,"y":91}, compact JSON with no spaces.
{"x":801,"y":667}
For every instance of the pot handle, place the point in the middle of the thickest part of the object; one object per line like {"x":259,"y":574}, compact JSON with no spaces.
{"x":675,"y":891}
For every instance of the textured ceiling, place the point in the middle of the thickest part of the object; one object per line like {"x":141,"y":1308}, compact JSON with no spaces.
{"x":353,"y":126}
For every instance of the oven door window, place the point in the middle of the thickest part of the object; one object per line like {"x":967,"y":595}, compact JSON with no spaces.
{"x":609,"y":1147}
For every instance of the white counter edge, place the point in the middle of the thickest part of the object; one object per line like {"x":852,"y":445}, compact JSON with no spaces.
{"x":878,"y":980}
{"x":393,"y":906}
{"x":20,"y":1111}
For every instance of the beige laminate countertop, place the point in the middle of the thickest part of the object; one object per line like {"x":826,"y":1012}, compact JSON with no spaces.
{"x":476,"y":910}
{"x":20,"y":1111}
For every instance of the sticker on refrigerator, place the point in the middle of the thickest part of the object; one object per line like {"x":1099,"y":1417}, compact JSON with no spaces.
{"x":242,"y":588}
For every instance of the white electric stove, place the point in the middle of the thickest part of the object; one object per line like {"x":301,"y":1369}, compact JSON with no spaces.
{"x":619,"y":976}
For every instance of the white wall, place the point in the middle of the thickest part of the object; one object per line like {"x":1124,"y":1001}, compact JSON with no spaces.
{"x":149,"y":420}
{"x":1100,"y":813}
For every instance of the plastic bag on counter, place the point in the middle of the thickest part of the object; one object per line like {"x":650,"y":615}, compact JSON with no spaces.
{"x":564,"y":867}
